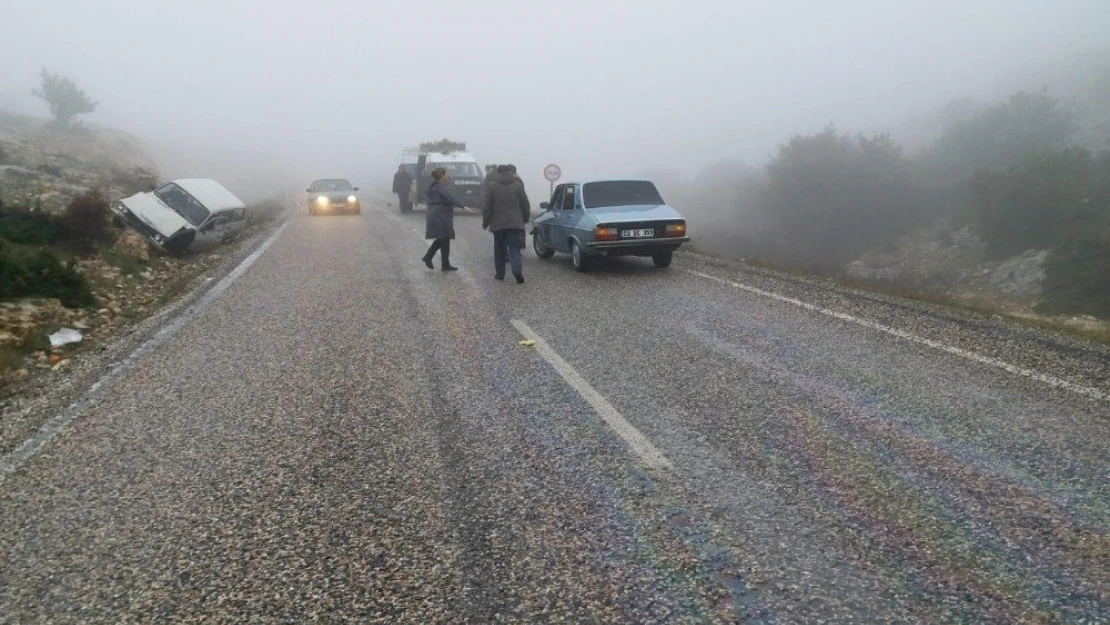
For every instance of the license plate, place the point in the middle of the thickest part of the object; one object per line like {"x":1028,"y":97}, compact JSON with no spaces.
{"x":637,"y":234}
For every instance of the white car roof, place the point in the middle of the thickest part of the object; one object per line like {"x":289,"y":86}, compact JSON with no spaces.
{"x":212,"y":194}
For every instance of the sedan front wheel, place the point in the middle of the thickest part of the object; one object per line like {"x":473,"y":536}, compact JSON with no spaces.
{"x":540,"y":248}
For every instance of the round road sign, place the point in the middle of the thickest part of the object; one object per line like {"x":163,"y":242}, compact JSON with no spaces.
{"x":552,"y":172}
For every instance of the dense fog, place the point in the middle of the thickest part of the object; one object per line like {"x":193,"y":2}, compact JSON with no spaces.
{"x":621,"y":87}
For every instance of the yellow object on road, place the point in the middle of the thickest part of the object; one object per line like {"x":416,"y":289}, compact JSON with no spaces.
{"x":528,"y":343}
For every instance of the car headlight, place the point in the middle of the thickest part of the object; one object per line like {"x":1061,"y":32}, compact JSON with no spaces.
{"x":351,"y":199}
{"x":322,"y":200}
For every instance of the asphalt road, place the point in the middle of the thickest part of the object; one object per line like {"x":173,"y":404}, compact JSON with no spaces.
{"x":346,"y":435}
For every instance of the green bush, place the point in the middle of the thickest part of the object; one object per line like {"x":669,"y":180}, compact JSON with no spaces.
{"x":830,"y":198}
{"x":25,"y":227}
{"x":1039,"y":202}
{"x":1077,"y":276}
{"x":41,"y":274}
{"x":86,"y":222}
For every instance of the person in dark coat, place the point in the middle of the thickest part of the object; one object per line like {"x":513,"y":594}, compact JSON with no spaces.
{"x":491,"y":172}
{"x":505,"y":211}
{"x":402,"y":185}
{"x":440,"y":226}
{"x":518,"y":179}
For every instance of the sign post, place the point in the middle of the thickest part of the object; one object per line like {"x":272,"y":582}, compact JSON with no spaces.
{"x":552,"y":173}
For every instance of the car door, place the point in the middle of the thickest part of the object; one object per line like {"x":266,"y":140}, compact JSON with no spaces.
{"x":236,"y":222}
{"x":550,"y":220}
{"x":568,"y":217}
{"x":216,"y":228}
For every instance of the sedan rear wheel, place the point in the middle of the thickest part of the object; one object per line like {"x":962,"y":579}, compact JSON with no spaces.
{"x":579,"y":258}
{"x":662,"y":259}
{"x":539,"y":247}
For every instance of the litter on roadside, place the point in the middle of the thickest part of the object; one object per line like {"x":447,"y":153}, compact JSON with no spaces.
{"x":65,"y":336}
{"x":528,"y":343}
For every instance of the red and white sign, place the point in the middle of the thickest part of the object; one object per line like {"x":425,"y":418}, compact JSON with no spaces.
{"x":552,"y":172}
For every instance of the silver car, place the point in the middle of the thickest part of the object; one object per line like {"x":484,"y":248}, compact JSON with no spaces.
{"x":329,"y":196}
{"x":608,"y":218}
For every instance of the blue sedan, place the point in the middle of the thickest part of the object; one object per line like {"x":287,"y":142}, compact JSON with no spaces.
{"x":608,"y":218}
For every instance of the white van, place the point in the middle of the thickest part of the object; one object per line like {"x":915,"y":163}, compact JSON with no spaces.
{"x":463,"y":172}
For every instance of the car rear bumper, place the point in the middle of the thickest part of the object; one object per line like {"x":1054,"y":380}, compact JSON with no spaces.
{"x":636,"y":247}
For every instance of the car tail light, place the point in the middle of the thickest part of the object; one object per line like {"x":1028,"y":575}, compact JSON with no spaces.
{"x":676,"y":230}
{"x":605,"y":233}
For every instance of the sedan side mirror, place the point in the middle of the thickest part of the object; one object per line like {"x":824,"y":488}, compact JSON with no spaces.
{"x":308,"y":190}
{"x":545,"y":206}
{"x":356,"y":188}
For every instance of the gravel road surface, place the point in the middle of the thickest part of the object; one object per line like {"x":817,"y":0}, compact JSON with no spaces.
{"x":345,"y":435}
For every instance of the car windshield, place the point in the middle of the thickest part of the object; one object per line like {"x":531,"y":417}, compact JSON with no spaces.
{"x":332,"y":185}
{"x":183,"y":204}
{"x":460,"y":170}
{"x":620,"y":193}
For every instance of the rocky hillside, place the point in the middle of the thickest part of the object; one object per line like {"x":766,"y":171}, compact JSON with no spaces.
{"x":44,"y":167}
{"x":944,"y":262}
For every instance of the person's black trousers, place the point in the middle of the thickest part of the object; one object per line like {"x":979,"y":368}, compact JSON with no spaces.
{"x":443,"y":246}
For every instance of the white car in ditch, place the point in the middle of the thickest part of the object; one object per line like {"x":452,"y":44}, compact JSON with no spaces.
{"x":183,"y":211}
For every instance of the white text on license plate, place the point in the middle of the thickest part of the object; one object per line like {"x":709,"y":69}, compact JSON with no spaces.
{"x":637,"y":234}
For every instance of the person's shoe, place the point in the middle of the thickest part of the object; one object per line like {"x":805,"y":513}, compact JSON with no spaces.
{"x":428,"y":262}
{"x":498,"y":276}
{"x":449,"y":268}
{"x":519,"y":278}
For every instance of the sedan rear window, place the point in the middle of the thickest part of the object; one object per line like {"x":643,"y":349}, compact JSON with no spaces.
{"x":620,"y":193}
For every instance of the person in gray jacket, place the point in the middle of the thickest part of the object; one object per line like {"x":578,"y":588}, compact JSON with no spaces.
{"x":505,"y":212}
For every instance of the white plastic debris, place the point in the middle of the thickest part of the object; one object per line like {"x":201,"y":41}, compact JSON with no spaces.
{"x":65,"y":336}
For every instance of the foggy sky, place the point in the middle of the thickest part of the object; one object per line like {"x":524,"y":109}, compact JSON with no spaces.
{"x":604,"y":87}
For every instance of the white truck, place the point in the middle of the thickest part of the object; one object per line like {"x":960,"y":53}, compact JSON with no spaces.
{"x":464,"y":173}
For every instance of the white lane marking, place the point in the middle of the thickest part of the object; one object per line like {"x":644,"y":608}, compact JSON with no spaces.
{"x":635,"y":439}
{"x":1078,"y":389}
{"x":19,"y":456}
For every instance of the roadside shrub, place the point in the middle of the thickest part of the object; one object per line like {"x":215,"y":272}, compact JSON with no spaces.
{"x":41,"y":274}
{"x":13,"y":275}
{"x":86,"y":222}
{"x":829,"y":198}
{"x":1039,"y":201}
{"x":19,"y":225}
{"x":1077,"y":276}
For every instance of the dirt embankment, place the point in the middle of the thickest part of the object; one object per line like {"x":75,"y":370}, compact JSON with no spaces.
{"x":108,"y":282}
